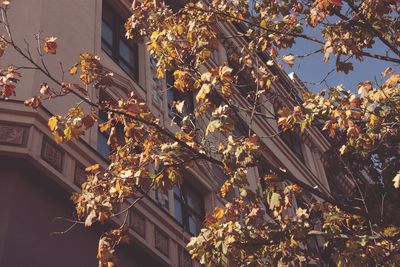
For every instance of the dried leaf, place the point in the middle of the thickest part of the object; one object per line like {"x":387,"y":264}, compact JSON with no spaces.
{"x":50,"y":45}
{"x":289,"y":59}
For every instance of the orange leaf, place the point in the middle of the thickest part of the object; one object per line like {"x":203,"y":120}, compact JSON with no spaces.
{"x":50,"y":45}
{"x":92,"y":168}
{"x":34,"y":102}
{"x":8,"y":90}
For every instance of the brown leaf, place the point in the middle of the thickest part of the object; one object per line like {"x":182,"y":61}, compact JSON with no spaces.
{"x":50,"y":45}
{"x":89,"y":120}
{"x":8,"y":90}
{"x":34,"y":102}
{"x":44,"y":89}
{"x":345,"y":67}
{"x":386,"y":72}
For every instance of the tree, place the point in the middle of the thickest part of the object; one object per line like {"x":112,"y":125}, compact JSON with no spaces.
{"x":259,"y":226}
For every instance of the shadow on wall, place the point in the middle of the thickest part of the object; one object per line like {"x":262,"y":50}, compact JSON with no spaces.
{"x":29,"y":202}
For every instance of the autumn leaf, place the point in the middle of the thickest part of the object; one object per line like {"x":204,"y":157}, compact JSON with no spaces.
{"x":226,"y":74}
{"x":274,"y":200}
{"x":219,"y":213}
{"x":396,"y":180}
{"x":117,"y":187}
{"x":86,"y":78}
{"x":74,"y":69}
{"x":8,"y":90}
{"x":213,"y":125}
{"x":50,"y":45}
{"x":53,"y":122}
{"x":90,"y":218}
{"x":202,"y":94}
{"x":34,"y":102}
{"x":92,"y":168}
{"x":364,"y":88}
{"x":89,"y":120}
{"x":103,"y":127}
{"x":391,"y":231}
{"x":225,"y":188}
{"x":387,"y":71}
{"x":44,"y":89}
{"x":393,"y":80}
{"x":345,"y":67}
{"x":179,"y":106}
{"x":327,"y":53}
{"x":289,"y":59}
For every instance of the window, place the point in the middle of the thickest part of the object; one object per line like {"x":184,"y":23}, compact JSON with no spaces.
{"x":124,"y":52}
{"x":102,"y":137}
{"x":174,"y":95}
{"x":189,"y":208}
{"x":184,"y":258}
{"x":162,"y":199}
{"x":293,"y":142}
{"x":289,"y":137}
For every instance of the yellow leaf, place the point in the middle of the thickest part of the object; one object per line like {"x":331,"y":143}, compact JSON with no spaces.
{"x":67,"y":133}
{"x":180,"y":29}
{"x":204,"y":90}
{"x":104,"y":126}
{"x":74,"y":69}
{"x":53,"y":121}
{"x":219,"y":213}
{"x":85,"y":78}
{"x":225,"y":189}
{"x":274,"y":201}
{"x":92,"y":168}
{"x":373,"y":120}
{"x":117,"y":187}
{"x":393,"y":80}
{"x":205,"y":53}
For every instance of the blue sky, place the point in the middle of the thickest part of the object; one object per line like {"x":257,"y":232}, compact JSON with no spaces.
{"x":311,"y":69}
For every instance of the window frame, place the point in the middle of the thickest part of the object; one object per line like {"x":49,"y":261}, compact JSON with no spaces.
{"x":115,"y":22}
{"x":174,"y":95}
{"x":186,"y":210}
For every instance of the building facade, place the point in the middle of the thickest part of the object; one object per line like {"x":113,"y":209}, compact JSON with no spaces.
{"x":38,"y":176}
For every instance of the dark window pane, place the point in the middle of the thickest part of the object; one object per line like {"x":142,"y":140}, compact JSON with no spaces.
{"x":126,"y":67}
{"x":127,"y":53}
{"x":178,"y":211}
{"x":102,"y":146}
{"x":162,"y":199}
{"x":114,"y":43}
{"x":106,"y":34}
{"x":194,"y":200}
{"x":194,"y":224}
{"x":177,"y":192}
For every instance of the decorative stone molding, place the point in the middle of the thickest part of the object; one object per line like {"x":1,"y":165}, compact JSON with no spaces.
{"x":52,"y":154}
{"x":138,"y":223}
{"x":161,"y":242}
{"x":13,"y":134}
